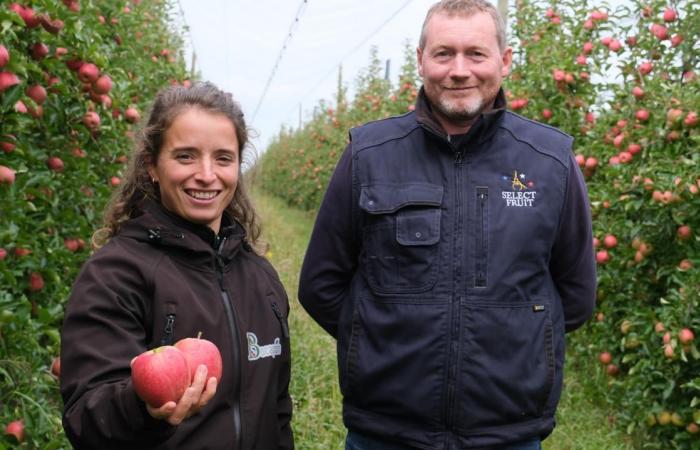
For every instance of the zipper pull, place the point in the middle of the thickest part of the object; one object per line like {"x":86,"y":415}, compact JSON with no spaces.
{"x":168,"y":330}
{"x":280,"y":317}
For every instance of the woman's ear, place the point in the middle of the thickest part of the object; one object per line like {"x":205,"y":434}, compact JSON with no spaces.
{"x":150,"y":168}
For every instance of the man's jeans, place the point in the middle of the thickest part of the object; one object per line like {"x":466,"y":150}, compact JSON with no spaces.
{"x":358,"y":441}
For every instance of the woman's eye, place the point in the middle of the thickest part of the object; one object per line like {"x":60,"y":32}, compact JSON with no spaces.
{"x":183,"y":156}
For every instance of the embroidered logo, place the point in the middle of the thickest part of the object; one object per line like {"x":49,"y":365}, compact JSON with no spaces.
{"x":256,"y":351}
{"x":521,"y":193}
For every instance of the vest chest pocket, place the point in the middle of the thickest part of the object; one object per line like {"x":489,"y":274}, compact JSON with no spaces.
{"x":401,"y":233}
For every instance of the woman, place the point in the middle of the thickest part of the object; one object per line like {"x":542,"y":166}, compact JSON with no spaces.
{"x":179,"y":259}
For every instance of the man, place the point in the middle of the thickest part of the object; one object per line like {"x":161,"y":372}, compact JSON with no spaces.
{"x":451,"y":253}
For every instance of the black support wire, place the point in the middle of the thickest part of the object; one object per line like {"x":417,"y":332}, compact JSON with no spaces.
{"x":351,"y":52}
{"x":287,"y":39}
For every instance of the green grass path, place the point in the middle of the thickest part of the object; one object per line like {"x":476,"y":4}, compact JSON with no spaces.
{"x":581,"y":423}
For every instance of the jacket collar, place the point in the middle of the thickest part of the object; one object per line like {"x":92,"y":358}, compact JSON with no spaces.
{"x":161,"y":227}
{"x":482,"y":129}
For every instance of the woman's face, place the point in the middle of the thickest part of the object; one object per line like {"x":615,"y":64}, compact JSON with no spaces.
{"x":197,"y":169}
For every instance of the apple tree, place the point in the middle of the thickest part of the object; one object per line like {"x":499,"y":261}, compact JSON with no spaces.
{"x":75,"y":76}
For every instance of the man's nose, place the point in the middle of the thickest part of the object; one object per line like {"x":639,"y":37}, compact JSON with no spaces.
{"x":461,"y":67}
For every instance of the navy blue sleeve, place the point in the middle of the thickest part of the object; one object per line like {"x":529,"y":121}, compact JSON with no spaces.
{"x":331,"y":257}
{"x":573,"y":261}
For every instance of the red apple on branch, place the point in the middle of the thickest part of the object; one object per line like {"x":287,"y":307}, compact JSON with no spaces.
{"x":16,"y":429}
{"x":7,"y":80}
{"x":4,"y":55}
{"x":7,"y":175}
{"x":160,"y":375}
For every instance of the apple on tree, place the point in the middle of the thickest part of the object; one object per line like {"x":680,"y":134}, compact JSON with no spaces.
{"x":16,"y":429}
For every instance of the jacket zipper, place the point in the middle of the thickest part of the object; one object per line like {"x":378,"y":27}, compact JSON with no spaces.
{"x":235,"y":348}
{"x":453,"y":353}
{"x":482,"y":196}
{"x":280,"y":317}
{"x":168,"y":330}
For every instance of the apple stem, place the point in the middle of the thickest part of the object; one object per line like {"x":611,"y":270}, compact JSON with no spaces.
{"x":199,"y":335}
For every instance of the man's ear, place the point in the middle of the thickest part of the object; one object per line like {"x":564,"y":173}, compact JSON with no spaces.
{"x":419,"y":60}
{"x":507,"y":60}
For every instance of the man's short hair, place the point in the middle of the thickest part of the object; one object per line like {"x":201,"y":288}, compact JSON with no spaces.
{"x":466,"y":8}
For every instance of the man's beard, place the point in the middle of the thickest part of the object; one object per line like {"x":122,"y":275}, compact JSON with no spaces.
{"x":461,"y":113}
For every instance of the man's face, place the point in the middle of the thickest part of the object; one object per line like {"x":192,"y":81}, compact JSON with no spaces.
{"x":462,"y":67}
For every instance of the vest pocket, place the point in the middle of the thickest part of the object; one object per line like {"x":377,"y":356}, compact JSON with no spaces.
{"x":508,"y":369}
{"x":401,"y":232}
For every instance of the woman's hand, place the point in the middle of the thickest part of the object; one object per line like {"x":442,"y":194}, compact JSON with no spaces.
{"x":195,"y":398}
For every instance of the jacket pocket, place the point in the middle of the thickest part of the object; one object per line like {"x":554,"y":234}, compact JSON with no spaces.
{"x":168,"y":330}
{"x":401,"y":234}
{"x":508,"y":363}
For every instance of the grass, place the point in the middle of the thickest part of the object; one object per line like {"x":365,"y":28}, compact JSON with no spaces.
{"x":582,"y":423}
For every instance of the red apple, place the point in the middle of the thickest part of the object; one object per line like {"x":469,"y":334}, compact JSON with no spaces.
{"x":36,"y":282}
{"x":685,"y":336}
{"x":55,"y":163}
{"x":131,"y":115}
{"x":642,"y":115}
{"x":676,"y":40}
{"x":612,"y":369}
{"x":20,"y":107}
{"x":637,"y":92}
{"x":4,"y":55}
{"x":645,"y":68}
{"x":39,"y":51}
{"x":88,"y":72}
{"x":103,"y":84}
{"x":668,"y":351}
{"x":659,"y":327}
{"x":633,"y":148}
{"x":546,"y":114}
{"x":71,"y":244}
{"x":691,"y":120}
{"x":27,"y":15}
{"x":52,"y":26}
{"x":602,"y":257}
{"x":160,"y":375}
{"x":7,"y":80}
{"x":16,"y":429}
{"x":625,"y":157}
{"x":91,"y":120}
{"x":605,"y":358}
{"x":199,"y":351}
{"x":56,"y":367}
{"x":7,"y":175}
{"x":115,"y":181}
{"x":670,"y":14}
{"x":37,"y":93}
{"x":610,"y":241}
{"x":3,"y":254}
{"x":684,"y":232}
{"x":660,"y":31}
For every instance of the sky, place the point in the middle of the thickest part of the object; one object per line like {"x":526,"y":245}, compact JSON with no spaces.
{"x":280,"y":57}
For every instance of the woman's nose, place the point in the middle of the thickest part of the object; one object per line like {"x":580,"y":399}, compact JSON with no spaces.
{"x":205,"y":172}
